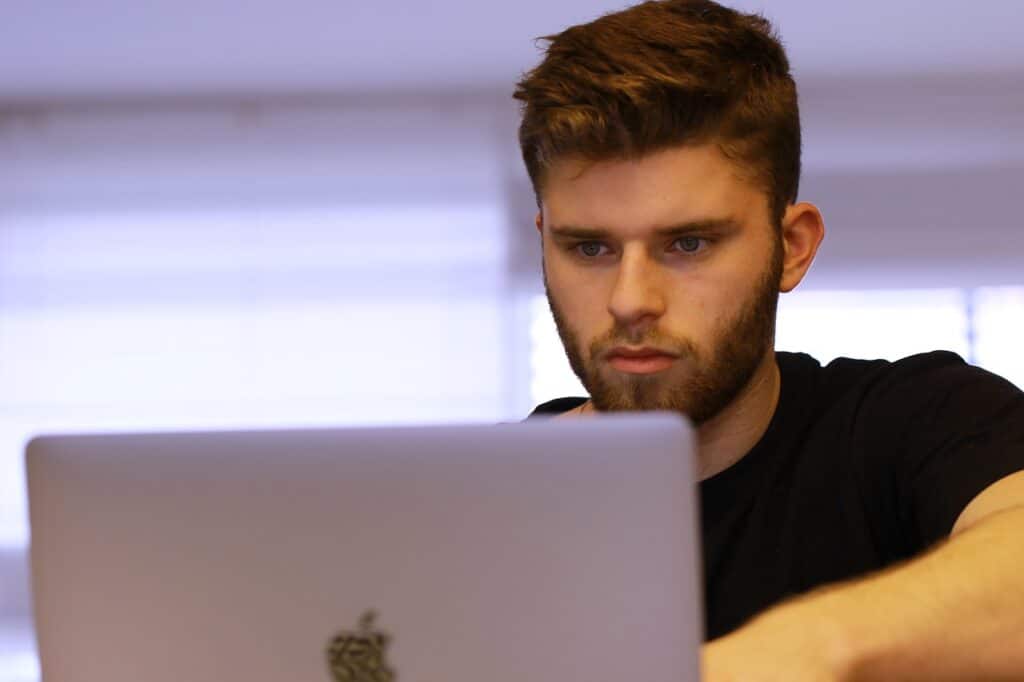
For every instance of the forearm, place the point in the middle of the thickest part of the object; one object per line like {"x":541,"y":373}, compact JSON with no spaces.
{"x":955,"y":613}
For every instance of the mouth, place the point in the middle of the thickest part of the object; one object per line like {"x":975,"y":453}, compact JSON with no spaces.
{"x":640,"y":360}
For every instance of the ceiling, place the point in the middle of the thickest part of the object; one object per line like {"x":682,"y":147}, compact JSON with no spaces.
{"x":103,"y":48}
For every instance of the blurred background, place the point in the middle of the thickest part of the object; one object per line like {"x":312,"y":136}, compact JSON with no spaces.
{"x":265,"y":214}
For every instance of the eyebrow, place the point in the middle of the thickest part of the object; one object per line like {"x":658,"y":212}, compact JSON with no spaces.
{"x":691,"y":227}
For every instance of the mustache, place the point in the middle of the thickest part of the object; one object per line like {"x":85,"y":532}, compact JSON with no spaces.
{"x":651,"y":339}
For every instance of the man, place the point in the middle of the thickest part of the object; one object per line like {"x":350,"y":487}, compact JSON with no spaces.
{"x":863,"y":520}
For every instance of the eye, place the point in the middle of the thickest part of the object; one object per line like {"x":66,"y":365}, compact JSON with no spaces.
{"x":590,"y":249}
{"x":690,"y":245}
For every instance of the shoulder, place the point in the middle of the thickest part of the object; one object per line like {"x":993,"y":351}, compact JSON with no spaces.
{"x":926,"y":402}
{"x":940,"y":382}
{"x":919,"y":437}
{"x":555,"y":407}
{"x":951,"y":430}
{"x":922,"y":375}
{"x":920,"y":396}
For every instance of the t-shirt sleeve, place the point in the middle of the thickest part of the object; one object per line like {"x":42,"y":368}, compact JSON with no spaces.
{"x":954,"y":429}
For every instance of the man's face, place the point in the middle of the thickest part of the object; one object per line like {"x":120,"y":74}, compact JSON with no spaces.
{"x":663,"y":276}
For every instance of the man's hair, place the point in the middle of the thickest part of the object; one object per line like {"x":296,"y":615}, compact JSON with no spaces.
{"x":661,"y":74}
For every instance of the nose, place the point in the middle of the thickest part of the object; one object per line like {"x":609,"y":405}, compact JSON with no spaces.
{"x":637,"y":299}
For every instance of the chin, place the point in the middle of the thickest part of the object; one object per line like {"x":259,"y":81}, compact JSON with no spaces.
{"x":619,"y":392}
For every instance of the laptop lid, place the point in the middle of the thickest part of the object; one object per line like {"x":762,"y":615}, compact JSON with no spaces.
{"x":550,"y":550}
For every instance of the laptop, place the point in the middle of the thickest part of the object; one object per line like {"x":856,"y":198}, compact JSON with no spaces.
{"x":547,"y":551}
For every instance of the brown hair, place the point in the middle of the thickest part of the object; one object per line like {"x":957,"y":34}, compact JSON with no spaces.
{"x":661,"y":74}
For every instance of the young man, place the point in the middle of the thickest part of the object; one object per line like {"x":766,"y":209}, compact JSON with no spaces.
{"x":863,"y":520}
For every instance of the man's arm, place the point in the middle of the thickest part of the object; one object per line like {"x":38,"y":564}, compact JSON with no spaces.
{"x":954,"y":613}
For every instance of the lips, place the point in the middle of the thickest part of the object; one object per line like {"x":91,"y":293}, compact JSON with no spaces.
{"x":642,"y":352}
{"x":640,"y":360}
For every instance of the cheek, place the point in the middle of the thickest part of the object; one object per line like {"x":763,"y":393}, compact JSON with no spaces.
{"x":584,"y":310}
{"x":701,"y":309}
{"x":726,"y":302}
{"x":581,"y":298}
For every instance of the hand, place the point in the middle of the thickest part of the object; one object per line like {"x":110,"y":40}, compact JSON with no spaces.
{"x":786,"y":645}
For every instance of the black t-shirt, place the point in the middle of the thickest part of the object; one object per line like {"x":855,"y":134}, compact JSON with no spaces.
{"x":864,"y":463}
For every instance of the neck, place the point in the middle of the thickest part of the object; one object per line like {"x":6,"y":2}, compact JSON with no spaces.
{"x":724,"y":439}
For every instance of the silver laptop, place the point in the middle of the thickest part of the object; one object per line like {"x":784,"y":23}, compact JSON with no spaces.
{"x":547,"y":551}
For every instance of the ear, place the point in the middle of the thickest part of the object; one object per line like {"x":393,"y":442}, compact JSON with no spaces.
{"x":802,"y":231}
{"x":539,"y":222}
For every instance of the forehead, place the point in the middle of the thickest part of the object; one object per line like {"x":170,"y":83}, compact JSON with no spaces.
{"x":664,"y":188}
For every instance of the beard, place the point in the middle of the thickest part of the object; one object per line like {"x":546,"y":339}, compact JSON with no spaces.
{"x":714,"y":378}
